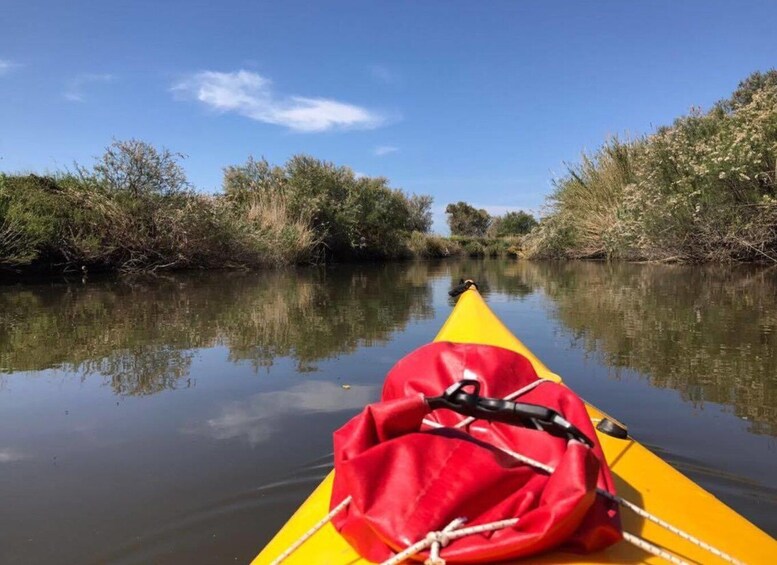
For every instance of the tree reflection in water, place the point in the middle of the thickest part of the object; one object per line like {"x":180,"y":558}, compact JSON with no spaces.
{"x":708,"y":332}
{"x":142,"y":334}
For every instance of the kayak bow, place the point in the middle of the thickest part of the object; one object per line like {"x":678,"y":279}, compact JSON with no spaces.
{"x":640,"y":476}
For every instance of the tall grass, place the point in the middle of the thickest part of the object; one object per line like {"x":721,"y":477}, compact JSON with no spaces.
{"x":135,"y":210}
{"x":702,"y":189}
{"x":283,"y":236}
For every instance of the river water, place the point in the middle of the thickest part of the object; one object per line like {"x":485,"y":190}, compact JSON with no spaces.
{"x":185,"y":417}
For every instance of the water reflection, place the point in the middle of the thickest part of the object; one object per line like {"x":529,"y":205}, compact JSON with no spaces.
{"x":208,"y":473}
{"x":257,"y":418}
{"x":708,"y":332}
{"x":141,"y":334}
{"x":510,"y":278}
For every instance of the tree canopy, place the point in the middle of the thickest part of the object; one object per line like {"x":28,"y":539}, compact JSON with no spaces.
{"x":466,"y":220}
{"x":513,"y":223}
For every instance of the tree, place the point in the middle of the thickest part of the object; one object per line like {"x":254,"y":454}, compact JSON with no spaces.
{"x":467,"y":220}
{"x":245,"y":184}
{"x":513,"y":223}
{"x":420,"y":207}
{"x":140,"y":169}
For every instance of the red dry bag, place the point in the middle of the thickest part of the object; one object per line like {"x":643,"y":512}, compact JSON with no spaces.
{"x":410,"y":471}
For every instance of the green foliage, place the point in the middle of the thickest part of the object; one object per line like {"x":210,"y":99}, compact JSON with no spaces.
{"x":31,"y":215}
{"x":466,"y":220}
{"x":352,"y":217}
{"x":753,"y":84}
{"x":474,"y":249}
{"x":243,"y":184}
{"x":512,"y":223}
{"x":134,"y":209}
{"x":702,"y":189}
{"x":420,"y":206}
{"x":428,"y":246}
{"x":490,"y":246}
{"x":139,"y":169}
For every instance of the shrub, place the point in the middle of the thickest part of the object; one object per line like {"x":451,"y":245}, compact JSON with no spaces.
{"x":351,"y":217}
{"x":474,"y":249}
{"x":31,"y":216}
{"x":466,"y":220}
{"x":702,"y":189}
{"x":512,"y":223}
{"x":134,"y":209}
{"x":428,"y":246}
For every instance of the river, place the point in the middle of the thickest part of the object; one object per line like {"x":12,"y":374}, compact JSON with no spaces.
{"x":184,"y":417}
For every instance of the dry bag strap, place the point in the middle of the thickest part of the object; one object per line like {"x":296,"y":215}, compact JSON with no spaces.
{"x":505,"y":411}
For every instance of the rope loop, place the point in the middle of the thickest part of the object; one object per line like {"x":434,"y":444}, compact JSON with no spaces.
{"x":440,"y":538}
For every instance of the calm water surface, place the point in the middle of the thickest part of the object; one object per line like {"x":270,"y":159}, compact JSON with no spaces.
{"x":186,"y":417}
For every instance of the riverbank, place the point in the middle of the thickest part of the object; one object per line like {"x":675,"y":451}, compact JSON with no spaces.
{"x":701,"y":190}
{"x":134,"y":211}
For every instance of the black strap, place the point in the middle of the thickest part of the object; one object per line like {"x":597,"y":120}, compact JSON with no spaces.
{"x":505,"y":411}
{"x":462,"y":287}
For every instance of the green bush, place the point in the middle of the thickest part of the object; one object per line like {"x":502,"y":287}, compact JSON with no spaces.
{"x":466,"y":220}
{"x":427,"y":246}
{"x":474,"y":249}
{"x":702,"y":189}
{"x":511,"y":224}
{"x":352,"y":216}
{"x":134,"y":209}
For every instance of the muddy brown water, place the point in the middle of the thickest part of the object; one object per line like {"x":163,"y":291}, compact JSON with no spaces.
{"x":184,"y":418}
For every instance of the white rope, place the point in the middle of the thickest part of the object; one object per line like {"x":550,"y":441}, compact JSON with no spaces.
{"x":435,"y":540}
{"x":648,"y":547}
{"x":528,"y":460}
{"x":317,"y":526}
{"x":445,"y":536}
{"x":634,"y":508}
{"x":432,"y":423}
{"x":666,"y":525}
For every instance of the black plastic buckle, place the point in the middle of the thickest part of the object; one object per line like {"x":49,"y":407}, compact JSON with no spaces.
{"x":471,"y":404}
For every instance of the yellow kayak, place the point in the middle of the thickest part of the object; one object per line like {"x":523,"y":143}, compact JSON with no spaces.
{"x":640,"y":476}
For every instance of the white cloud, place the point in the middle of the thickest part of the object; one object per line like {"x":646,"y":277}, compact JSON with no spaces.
{"x":382,"y":150}
{"x":251,"y":95}
{"x":6,"y":66}
{"x":75,"y":87}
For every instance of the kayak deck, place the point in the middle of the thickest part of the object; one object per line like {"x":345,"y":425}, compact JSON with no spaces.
{"x":640,"y":477}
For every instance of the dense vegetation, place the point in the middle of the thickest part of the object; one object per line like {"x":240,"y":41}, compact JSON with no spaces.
{"x":702,"y":189}
{"x":479,"y":234}
{"x":134,"y":209}
{"x":464,"y":219}
{"x":467,"y":221}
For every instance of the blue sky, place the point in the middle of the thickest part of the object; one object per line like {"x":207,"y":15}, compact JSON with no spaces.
{"x":476,"y":101}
